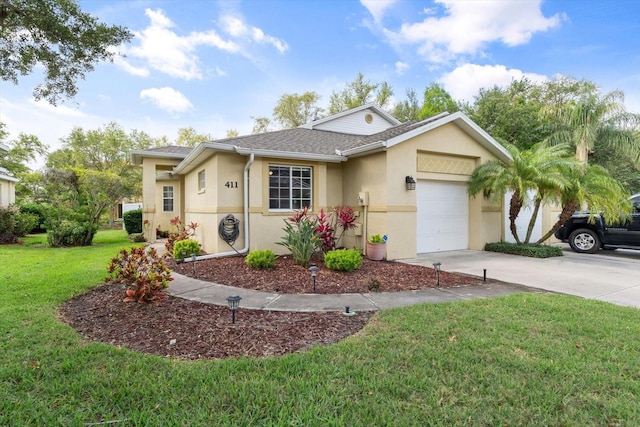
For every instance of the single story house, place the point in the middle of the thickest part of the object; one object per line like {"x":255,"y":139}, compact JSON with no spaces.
{"x":7,"y":184}
{"x":405,"y":180}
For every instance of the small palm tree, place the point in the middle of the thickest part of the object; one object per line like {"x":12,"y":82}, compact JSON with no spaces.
{"x":592,"y":186}
{"x":541,"y":168}
{"x":596,"y":119}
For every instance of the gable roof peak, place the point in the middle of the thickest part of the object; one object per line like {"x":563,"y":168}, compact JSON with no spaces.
{"x":375,"y":108}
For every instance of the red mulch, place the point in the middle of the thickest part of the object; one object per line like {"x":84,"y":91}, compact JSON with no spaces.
{"x":186,"y":329}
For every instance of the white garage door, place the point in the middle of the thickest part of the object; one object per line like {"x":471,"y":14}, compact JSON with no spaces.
{"x":443,"y":216}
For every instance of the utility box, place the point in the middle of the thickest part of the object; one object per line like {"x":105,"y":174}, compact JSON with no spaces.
{"x":363,"y":198}
{"x":357,"y":230}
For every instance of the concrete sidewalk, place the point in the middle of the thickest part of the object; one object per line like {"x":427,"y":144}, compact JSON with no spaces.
{"x":212,"y":293}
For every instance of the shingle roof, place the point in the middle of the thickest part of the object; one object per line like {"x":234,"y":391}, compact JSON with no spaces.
{"x":171,"y":149}
{"x":301,"y":140}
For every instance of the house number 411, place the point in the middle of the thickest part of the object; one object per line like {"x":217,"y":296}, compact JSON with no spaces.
{"x":231,"y":184}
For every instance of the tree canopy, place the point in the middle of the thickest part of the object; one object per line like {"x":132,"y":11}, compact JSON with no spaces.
{"x":58,"y":35}
{"x":294,"y":110}
{"x":358,"y":93}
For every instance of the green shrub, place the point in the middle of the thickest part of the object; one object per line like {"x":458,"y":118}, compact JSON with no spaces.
{"x":137,"y":237}
{"x":40,"y":211}
{"x":14,"y":224}
{"x":132,"y":221}
{"x":185,"y":248}
{"x":261,"y":259}
{"x":343,"y":259}
{"x":144,"y":270}
{"x":376,"y":238}
{"x":71,"y":233}
{"x":179,"y":231}
{"x":533,"y":251}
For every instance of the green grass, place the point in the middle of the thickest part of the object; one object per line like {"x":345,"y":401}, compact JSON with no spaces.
{"x":525,"y":359}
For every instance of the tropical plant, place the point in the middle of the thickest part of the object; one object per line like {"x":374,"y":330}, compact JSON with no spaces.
{"x":593,"y":118}
{"x":541,"y":169}
{"x":144,"y":270}
{"x":376,"y":238}
{"x":179,"y":231}
{"x":592,"y":187}
{"x":301,"y":238}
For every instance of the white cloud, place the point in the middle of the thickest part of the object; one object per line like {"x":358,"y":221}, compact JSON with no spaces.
{"x":236,"y":28}
{"x":464,"y":82}
{"x":164,"y":50}
{"x":401,"y":67}
{"x":377,"y":7}
{"x":467,"y":26}
{"x":167,"y":99}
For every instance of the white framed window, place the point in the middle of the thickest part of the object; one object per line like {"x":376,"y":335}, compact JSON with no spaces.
{"x":289,"y":187}
{"x":167,"y":198}
{"x":202,"y":180}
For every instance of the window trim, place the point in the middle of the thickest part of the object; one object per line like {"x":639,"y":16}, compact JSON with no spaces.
{"x":166,"y":199}
{"x":202,"y":181}
{"x":291,"y":189}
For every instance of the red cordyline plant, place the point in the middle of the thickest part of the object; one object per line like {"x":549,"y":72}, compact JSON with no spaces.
{"x":179,"y":231}
{"x":144,"y":271}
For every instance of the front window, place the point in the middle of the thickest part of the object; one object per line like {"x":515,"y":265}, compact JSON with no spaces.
{"x":167,"y":198}
{"x":202,"y":183}
{"x":289,"y":187}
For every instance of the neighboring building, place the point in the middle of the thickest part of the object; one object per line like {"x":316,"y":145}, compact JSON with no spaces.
{"x":7,"y":184}
{"x":362,"y":158}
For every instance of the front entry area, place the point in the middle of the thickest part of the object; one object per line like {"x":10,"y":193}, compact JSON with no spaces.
{"x":443,"y":216}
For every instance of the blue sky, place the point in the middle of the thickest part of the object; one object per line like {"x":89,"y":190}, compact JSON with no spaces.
{"x":213,"y":65}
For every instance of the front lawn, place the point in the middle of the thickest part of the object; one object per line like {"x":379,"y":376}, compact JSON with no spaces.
{"x":525,"y":359}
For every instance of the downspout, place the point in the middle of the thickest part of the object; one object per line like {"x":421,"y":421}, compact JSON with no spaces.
{"x":245,"y":218}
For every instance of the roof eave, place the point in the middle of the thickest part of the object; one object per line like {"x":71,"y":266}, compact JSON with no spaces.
{"x":137,"y":155}
{"x":8,"y":178}
{"x":362,"y":150}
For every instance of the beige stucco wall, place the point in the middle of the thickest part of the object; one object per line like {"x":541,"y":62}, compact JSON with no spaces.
{"x":152,"y":195}
{"x":391,"y":207}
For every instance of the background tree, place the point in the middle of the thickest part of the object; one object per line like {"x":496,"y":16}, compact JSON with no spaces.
{"x":189,"y":137}
{"x":436,"y":101}
{"x":22,"y":151}
{"x":409,"y":109}
{"x":106,"y":151}
{"x":511,"y":114}
{"x":294,"y":110}
{"x":596,"y":120}
{"x":232,"y":133}
{"x":58,"y":35}
{"x":358,"y":93}
{"x":261,"y":125}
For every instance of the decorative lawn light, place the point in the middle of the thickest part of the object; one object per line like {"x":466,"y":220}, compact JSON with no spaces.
{"x":314,"y":272}
{"x":193,"y":261}
{"x":233,"y":302}
{"x":437,"y":265}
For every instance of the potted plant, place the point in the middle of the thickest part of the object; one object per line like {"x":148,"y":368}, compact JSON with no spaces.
{"x":376,"y":247}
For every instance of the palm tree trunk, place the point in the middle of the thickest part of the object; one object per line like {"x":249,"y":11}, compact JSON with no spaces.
{"x":534,"y":216}
{"x":515,"y":205}
{"x":567,"y":212}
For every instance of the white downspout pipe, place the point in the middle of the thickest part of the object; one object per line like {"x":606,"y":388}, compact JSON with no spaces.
{"x":245,"y":190}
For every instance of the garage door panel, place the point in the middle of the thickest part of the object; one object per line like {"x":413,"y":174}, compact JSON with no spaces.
{"x":443,"y":216}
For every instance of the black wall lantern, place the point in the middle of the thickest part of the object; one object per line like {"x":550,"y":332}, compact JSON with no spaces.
{"x":411,"y":183}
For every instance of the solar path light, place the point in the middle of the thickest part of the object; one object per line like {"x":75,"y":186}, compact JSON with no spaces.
{"x":233,"y":302}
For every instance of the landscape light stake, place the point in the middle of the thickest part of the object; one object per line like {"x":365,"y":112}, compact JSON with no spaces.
{"x":314,"y":272}
{"x":233,"y":302}
{"x":484,"y":275}
{"x":437,"y":265}
{"x":193,"y":261}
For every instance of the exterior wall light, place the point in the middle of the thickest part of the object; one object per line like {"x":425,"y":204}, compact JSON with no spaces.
{"x":314,"y":272}
{"x":233,"y":302}
{"x":411,"y":183}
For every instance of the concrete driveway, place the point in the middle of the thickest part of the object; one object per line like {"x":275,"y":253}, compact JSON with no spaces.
{"x":612,"y":276}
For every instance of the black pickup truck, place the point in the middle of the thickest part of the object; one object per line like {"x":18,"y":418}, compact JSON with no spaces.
{"x":586,"y":237}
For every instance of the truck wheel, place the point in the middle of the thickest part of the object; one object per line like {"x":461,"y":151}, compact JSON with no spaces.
{"x":584,"y":241}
